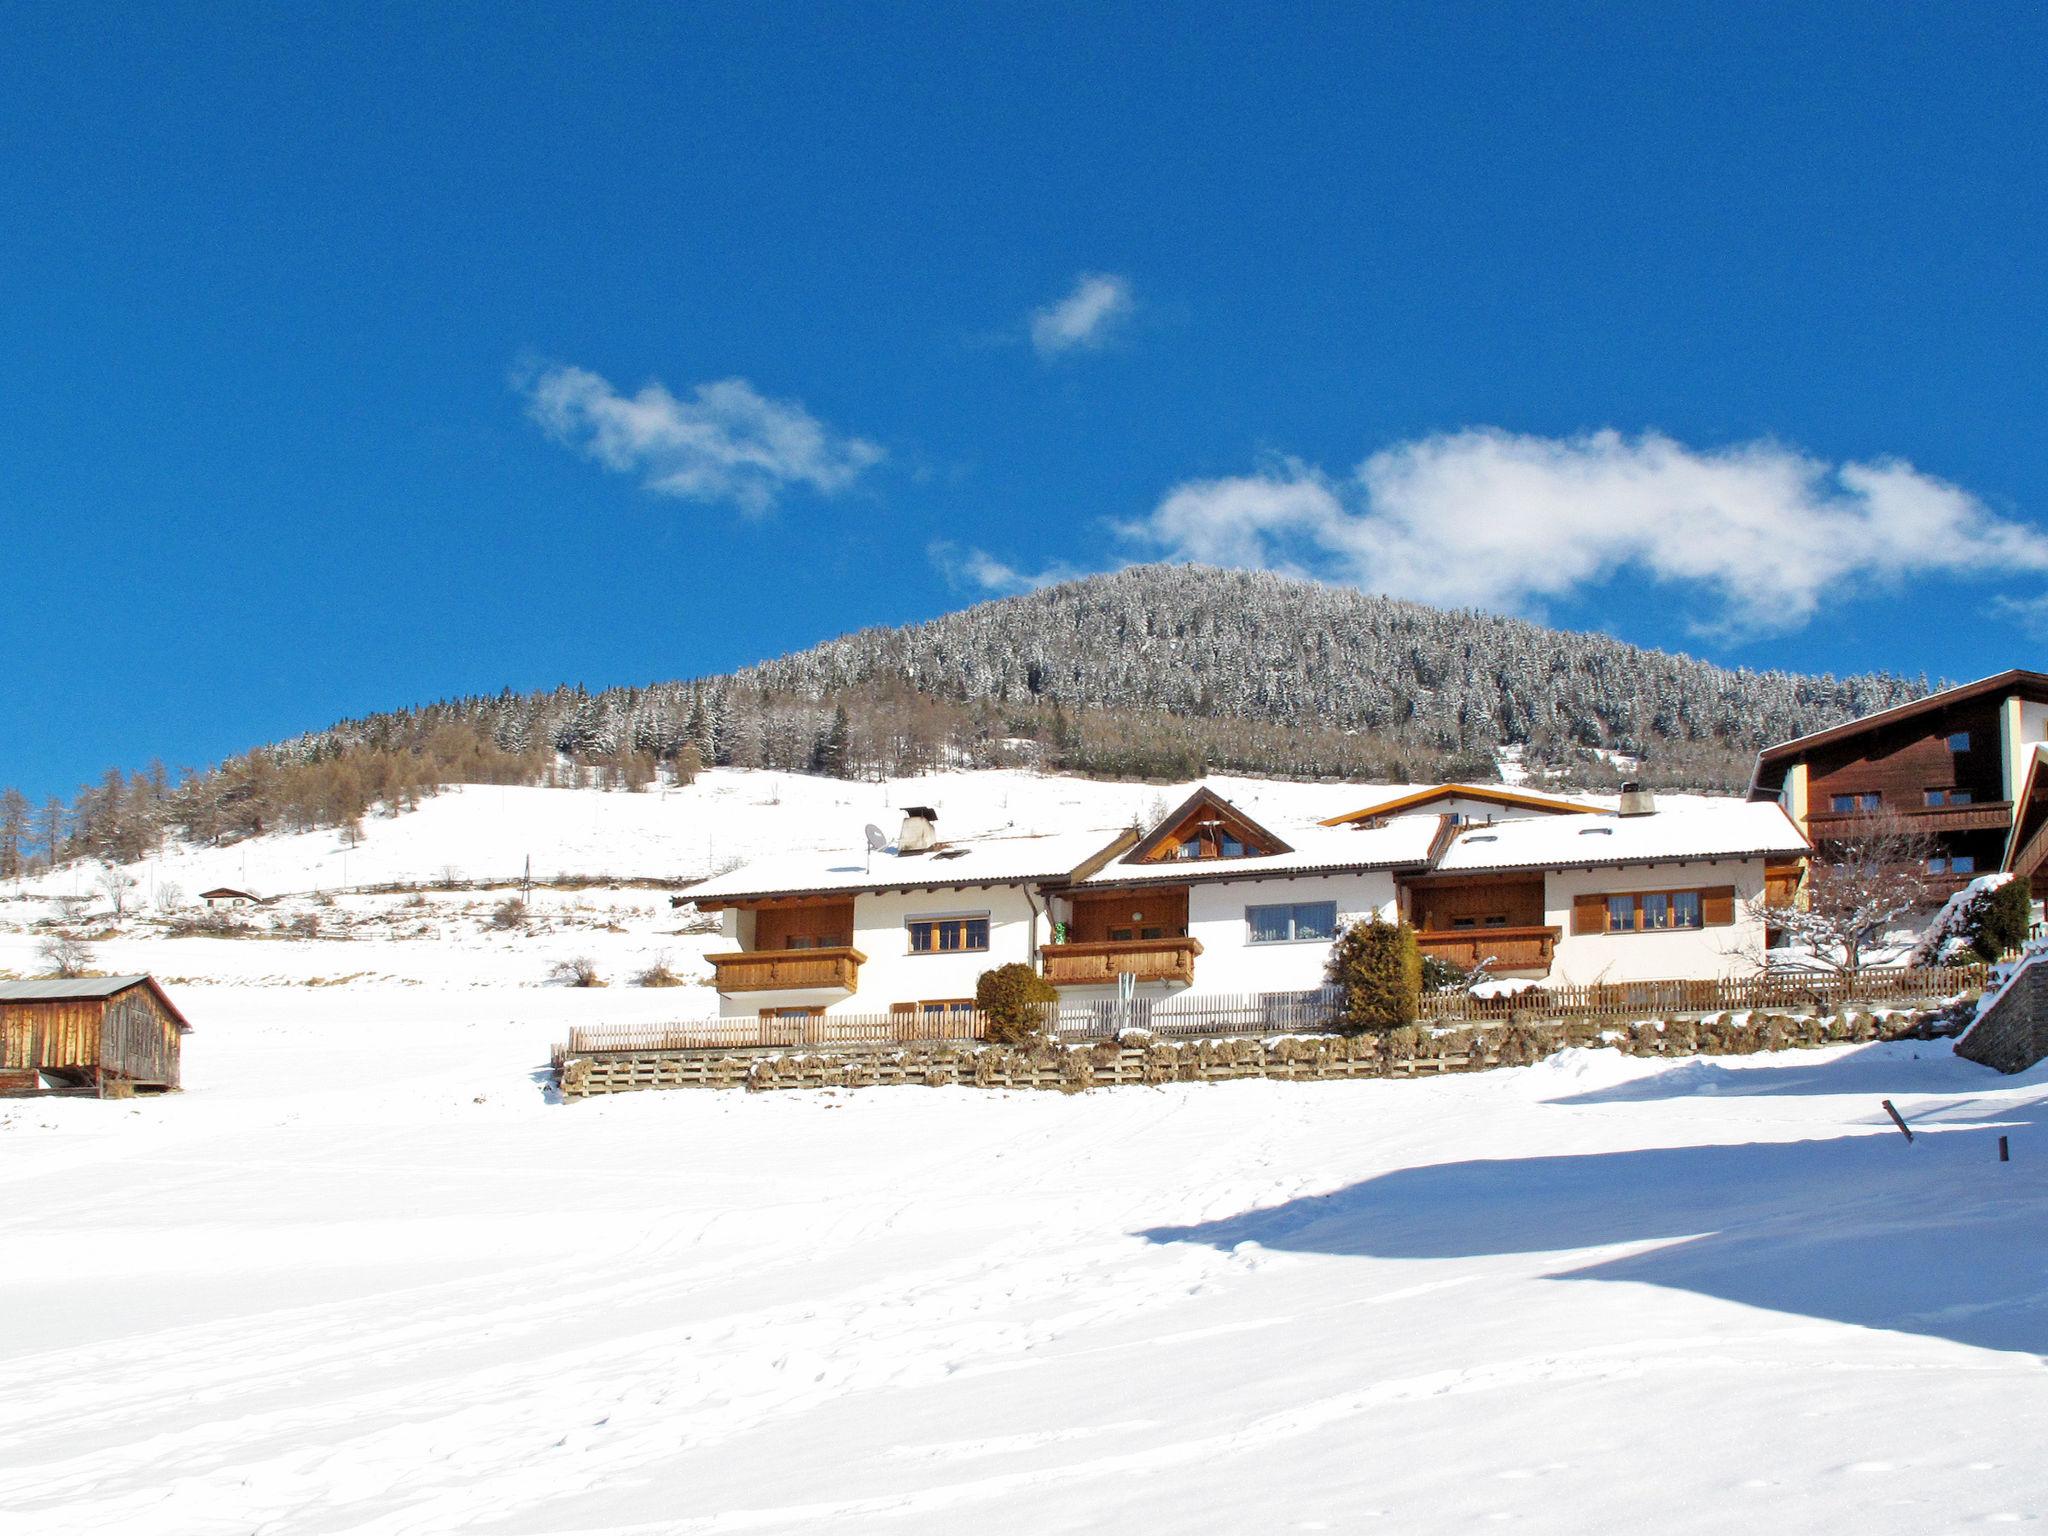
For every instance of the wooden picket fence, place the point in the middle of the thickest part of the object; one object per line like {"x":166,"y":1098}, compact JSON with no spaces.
{"x":1213,"y":1015}
{"x":1638,"y":999}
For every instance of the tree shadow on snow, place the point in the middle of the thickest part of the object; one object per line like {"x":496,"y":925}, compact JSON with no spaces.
{"x":1936,"y":1237}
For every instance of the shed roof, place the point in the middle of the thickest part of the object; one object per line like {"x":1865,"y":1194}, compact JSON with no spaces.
{"x":67,"y":989}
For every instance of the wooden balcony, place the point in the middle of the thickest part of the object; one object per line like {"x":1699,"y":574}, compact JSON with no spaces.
{"x":1988,"y":815}
{"x":1512,"y":951}
{"x":788,"y":970}
{"x":1099,"y":964}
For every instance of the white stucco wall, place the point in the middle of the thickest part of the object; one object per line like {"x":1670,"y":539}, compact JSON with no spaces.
{"x":891,"y":973}
{"x":1673,"y":955}
{"x":2021,"y":725}
{"x":1230,"y":963}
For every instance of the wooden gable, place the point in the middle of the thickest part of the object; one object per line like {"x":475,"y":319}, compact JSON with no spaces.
{"x":1205,"y":826}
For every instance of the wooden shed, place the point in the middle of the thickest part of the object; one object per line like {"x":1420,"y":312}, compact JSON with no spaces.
{"x":110,"y":1035}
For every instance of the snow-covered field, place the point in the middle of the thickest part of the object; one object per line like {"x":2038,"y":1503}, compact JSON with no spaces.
{"x":363,"y":1276}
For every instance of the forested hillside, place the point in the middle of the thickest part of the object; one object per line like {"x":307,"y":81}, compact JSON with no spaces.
{"x":1158,"y":671}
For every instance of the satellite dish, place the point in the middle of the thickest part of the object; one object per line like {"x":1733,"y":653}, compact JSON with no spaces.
{"x":877,"y":838}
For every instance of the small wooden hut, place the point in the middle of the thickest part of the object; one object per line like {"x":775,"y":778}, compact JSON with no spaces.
{"x":109,"y":1035}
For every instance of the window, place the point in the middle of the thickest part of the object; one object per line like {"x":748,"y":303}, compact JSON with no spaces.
{"x":1296,"y":923}
{"x":1655,"y":911}
{"x":1952,"y":864}
{"x":1211,"y":842}
{"x":1948,"y":797}
{"x":947,"y":935}
{"x":1844,"y":804}
{"x":1959,"y":742}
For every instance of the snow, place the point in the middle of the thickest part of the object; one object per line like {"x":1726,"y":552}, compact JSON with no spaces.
{"x":365,"y":1276}
{"x":1312,"y":849}
{"x":1698,"y":829}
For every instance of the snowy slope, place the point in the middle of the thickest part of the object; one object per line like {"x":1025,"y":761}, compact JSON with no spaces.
{"x":362,"y":1277}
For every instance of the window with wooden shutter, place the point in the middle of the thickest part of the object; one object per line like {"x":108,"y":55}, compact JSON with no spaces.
{"x":1654,"y":911}
{"x":1589,"y":914}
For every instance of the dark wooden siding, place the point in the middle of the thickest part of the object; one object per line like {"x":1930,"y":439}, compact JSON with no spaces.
{"x":818,"y":925}
{"x":1510,"y":901}
{"x":1096,"y":918}
{"x":1902,"y":762}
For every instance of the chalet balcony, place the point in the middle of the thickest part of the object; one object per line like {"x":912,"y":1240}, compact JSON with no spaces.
{"x":1512,"y":951}
{"x":1986,"y":816}
{"x":1100,"y":963}
{"x":788,"y":970}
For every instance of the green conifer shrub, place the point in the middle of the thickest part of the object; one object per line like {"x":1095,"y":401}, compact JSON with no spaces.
{"x":1014,"y":998}
{"x":1377,"y":968}
{"x":1998,"y":920}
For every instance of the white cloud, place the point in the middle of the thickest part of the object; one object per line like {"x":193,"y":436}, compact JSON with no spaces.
{"x":724,"y":442}
{"x":1497,"y":520}
{"x":1085,"y":318}
{"x":979,"y":569}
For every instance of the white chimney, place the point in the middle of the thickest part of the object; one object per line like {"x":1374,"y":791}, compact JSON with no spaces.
{"x":1636,"y":800}
{"x":920,"y":829}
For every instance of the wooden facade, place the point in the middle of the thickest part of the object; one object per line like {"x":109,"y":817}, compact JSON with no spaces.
{"x":1937,"y":768}
{"x":1138,"y":913}
{"x":834,"y":968}
{"x":98,"y":1034}
{"x":1093,"y":965}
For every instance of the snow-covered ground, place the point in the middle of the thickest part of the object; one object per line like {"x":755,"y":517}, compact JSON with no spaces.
{"x":364,"y":1276}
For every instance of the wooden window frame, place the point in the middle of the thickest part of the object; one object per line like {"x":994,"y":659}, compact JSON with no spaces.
{"x":937,"y":923}
{"x":1590,"y":910}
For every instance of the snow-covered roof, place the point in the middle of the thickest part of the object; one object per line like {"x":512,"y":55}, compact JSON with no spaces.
{"x":1403,"y":842}
{"x":1702,"y":830}
{"x":982,"y":861}
{"x":1508,"y":798}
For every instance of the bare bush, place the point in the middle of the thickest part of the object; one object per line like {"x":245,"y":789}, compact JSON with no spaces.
{"x":509,"y":913}
{"x":66,"y":955}
{"x":658,"y":974}
{"x":1860,"y":888}
{"x":581,"y":971}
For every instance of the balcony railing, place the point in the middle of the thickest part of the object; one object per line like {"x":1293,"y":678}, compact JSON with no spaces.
{"x":1508,"y":949}
{"x":1995,"y":815}
{"x":1100,"y":962}
{"x":788,"y":970}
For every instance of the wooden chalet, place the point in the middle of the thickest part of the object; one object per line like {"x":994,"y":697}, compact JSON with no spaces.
{"x":1951,"y":766}
{"x":110,"y":1035}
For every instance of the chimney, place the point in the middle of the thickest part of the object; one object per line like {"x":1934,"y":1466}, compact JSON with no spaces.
{"x":1636,"y":800}
{"x":920,"y":829}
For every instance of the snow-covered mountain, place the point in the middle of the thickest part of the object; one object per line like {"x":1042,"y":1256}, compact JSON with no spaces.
{"x":1165,"y":671}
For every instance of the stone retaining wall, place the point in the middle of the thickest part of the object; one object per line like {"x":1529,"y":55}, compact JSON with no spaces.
{"x":1320,"y":1058}
{"x":2012,"y":1034}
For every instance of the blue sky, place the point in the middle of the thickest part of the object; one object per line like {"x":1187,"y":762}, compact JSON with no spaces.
{"x":358,"y":356}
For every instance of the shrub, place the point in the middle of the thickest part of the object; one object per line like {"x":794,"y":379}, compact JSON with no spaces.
{"x":581,"y":971}
{"x":509,"y":913}
{"x":1440,"y":975}
{"x":1377,"y":970}
{"x":1015,"y":997}
{"x":658,"y":975}
{"x":66,"y":955}
{"x":1998,"y":920}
